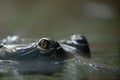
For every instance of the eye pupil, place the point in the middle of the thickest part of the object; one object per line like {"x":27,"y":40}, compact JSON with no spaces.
{"x":44,"y":44}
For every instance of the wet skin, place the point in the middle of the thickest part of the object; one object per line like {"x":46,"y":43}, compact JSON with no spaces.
{"x":49,"y":49}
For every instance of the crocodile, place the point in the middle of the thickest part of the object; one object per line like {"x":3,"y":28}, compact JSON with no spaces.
{"x":47,"y":49}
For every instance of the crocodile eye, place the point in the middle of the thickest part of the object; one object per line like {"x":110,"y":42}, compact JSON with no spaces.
{"x":44,"y":44}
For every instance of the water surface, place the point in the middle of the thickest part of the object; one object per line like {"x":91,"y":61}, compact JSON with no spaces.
{"x":77,"y":68}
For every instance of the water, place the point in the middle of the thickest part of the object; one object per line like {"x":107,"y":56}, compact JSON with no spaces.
{"x":98,"y":21}
{"x":77,"y":68}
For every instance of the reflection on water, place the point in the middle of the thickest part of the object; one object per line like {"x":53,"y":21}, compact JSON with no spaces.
{"x":77,"y":68}
{"x":8,"y":71}
{"x":88,"y":69}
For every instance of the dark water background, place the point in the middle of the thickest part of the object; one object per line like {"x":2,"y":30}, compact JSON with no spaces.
{"x":97,"y":20}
